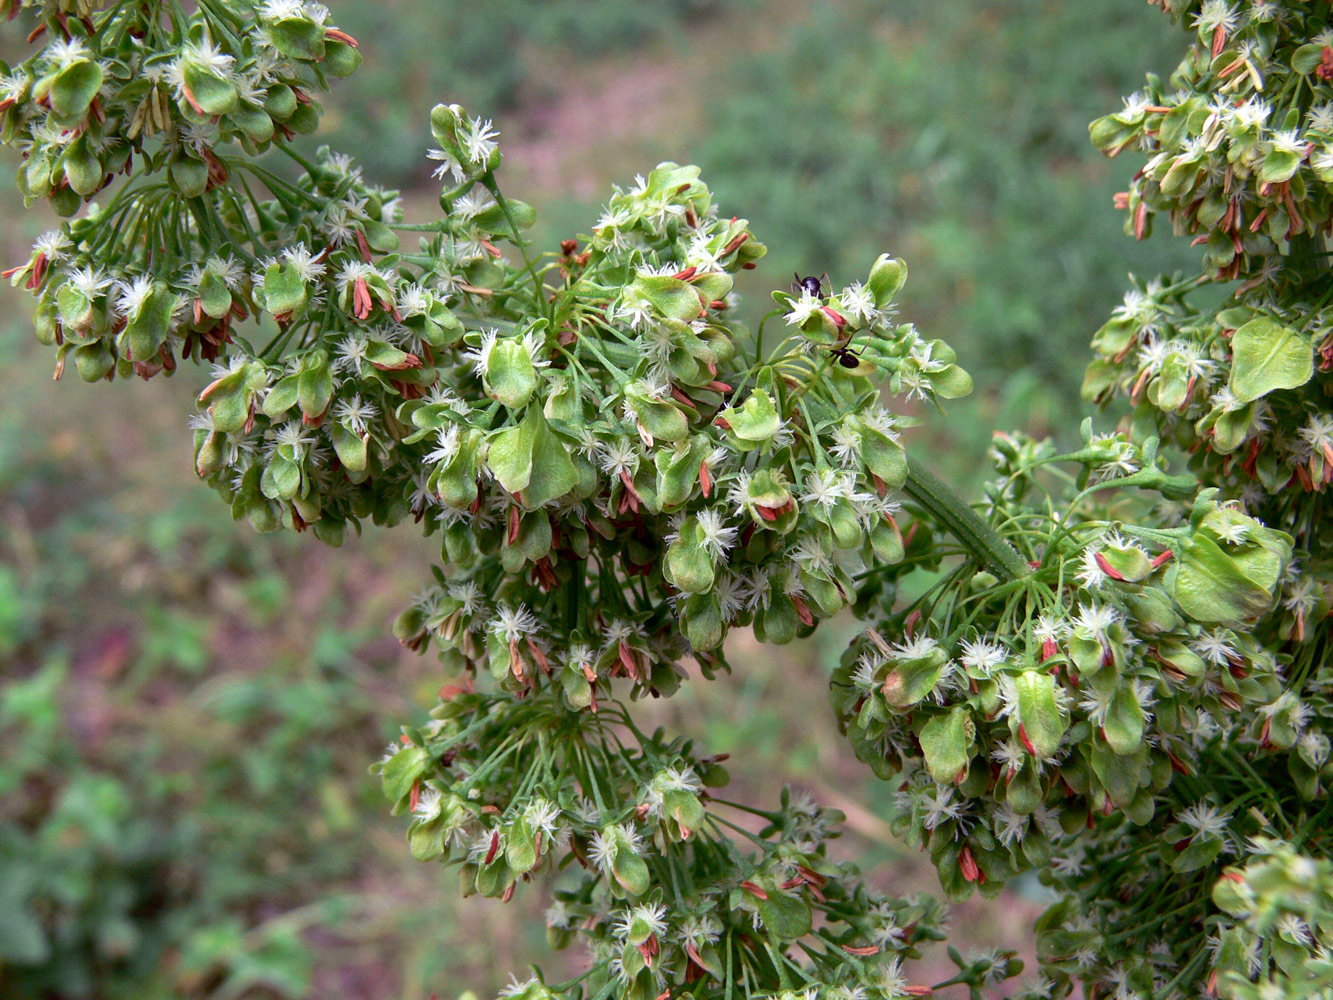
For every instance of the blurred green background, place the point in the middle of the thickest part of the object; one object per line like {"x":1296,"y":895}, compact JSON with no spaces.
{"x":187,"y":709}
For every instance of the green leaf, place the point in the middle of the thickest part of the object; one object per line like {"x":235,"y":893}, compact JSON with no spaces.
{"x":887,"y":277}
{"x":509,"y":457}
{"x":281,"y":398}
{"x":909,"y":681}
{"x":147,"y":330}
{"x":520,"y":847}
{"x":688,"y":565}
{"x":350,"y":447}
{"x":1199,"y":854}
{"x":951,"y":383}
{"x":631,"y":872}
{"x":216,"y":95}
{"x":284,"y":291}
{"x":298,"y":37}
{"x":553,"y":472}
{"x":314,"y":389}
{"x":1267,"y":356}
{"x":340,"y":59}
{"x":1209,"y":586}
{"x":187,"y":175}
{"x":83,"y":169}
{"x":74,"y":88}
{"x":1279,"y":165}
{"x":755,"y":421}
{"x":945,"y":740}
{"x":1039,"y":713}
{"x":402,"y":770}
{"x":510,"y":375}
{"x":214,"y":296}
{"x":1306,"y":58}
{"x":670,"y":296}
{"x":786,"y":917}
{"x":1124,"y":723}
{"x":256,"y":123}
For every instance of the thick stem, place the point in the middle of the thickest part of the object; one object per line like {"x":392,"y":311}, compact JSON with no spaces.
{"x":978,"y":537}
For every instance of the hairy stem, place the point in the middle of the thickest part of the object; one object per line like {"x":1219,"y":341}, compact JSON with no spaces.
{"x":978,"y":537}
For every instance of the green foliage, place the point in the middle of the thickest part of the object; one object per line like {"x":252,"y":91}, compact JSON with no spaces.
{"x":1114,"y":672}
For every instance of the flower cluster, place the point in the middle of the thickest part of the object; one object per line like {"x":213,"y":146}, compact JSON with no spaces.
{"x":115,"y":84}
{"x":1147,"y":701}
{"x":1017,"y":712}
{"x":1114,"y":673}
{"x":1239,"y":139}
{"x":617,"y":469}
{"x":662,"y":896}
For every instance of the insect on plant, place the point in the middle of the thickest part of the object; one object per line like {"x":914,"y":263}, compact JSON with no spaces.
{"x":1113,"y":672}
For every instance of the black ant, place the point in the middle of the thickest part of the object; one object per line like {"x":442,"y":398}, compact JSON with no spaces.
{"x":846,"y":356}
{"x":812,"y":286}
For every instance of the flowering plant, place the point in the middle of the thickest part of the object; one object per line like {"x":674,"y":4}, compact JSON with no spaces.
{"x":1113,"y":673}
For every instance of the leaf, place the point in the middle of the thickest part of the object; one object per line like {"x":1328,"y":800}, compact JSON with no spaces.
{"x":1039,"y":712}
{"x":553,"y":472}
{"x":688,"y":566}
{"x":785,"y":916}
{"x":350,"y":447}
{"x":945,"y":740}
{"x":402,"y":770}
{"x":887,"y":277}
{"x":510,"y":375}
{"x":75,"y":87}
{"x":215,"y":95}
{"x":509,"y":457}
{"x":1124,"y":723}
{"x":631,"y":872}
{"x":1209,"y":586}
{"x":911,"y":680}
{"x":951,"y":383}
{"x":755,"y":421}
{"x":281,"y":398}
{"x":672,"y":297}
{"x":298,"y":37}
{"x":314,"y":389}
{"x":284,"y":291}
{"x":1267,"y":356}
{"x":1197,"y":855}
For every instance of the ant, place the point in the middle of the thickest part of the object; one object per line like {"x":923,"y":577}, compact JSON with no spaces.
{"x":846,"y":356}
{"x":812,"y":286}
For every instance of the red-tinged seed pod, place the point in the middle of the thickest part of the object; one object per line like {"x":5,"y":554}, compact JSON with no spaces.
{"x":1027,"y":743}
{"x":754,"y":890}
{"x":1107,"y":568}
{"x":968,"y":865}
{"x":863,"y":951}
{"x":734,"y":244}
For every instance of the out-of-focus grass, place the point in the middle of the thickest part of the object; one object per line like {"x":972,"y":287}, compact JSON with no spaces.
{"x":188,"y":708}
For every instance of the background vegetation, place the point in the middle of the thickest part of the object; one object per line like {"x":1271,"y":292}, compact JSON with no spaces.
{"x":187,"y":709}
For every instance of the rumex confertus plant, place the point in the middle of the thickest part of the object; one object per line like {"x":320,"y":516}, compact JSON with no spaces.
{"x":1112,"y":673}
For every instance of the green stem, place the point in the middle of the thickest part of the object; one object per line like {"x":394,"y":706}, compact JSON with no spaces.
{"x":978,"y":537}
{"x":489,"y":183}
